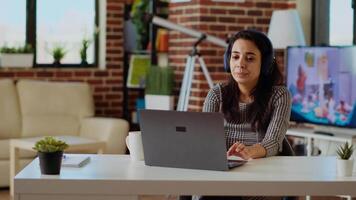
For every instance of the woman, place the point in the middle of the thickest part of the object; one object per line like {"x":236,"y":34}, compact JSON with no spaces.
{"x":255,"y":107}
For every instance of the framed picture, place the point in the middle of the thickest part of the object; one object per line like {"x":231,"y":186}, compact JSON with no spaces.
{"x":138,"y":68}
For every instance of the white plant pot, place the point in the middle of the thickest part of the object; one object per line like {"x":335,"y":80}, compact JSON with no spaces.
{"x":16,"y":60}
{"x":159,"y":102}
{"x":344,"y":167}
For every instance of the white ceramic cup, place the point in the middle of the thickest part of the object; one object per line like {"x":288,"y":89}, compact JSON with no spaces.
{"x":134,"y":144}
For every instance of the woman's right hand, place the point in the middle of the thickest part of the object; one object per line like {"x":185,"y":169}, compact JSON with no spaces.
{"x":240,"y":150}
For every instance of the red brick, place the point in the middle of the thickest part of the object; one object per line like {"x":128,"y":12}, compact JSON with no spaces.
{"x":263,"y":21}
{"x":236,"y":12}
{"x":112,"y":22}
{"x":45,"y":74}
{"x":264,"y":4}
{"x":208,"y":18}
{"x":95,"y":81}
{"x":98,"y":97}
{"x":218,"y":11}
{"x":245,"y":20}
{"x":6,"y":74}
{"x":190,"y":11}
{"x":25,"y":74}
{"x":101,"y":73}
{"x":227,"y":19}
{"x":114,"y":81}
{"x":114,"y":7}
{"x":82,"y":73}
{"x":281,"y":5}
{"x":218,"y":27}
{"x":101,"y":89}
{"x":64,"y":74}
{"x":254,"y":12}
{"x":102,"y":104}
{"x":247,"y":4}
{"x":112,"y":96}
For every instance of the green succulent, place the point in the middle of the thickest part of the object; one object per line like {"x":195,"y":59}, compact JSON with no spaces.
{"x":25,"y":49}
{"x":345,"y":151}
{"x":58,"y":53}
{"x":50,"y":144}
{"x":83,"y":50}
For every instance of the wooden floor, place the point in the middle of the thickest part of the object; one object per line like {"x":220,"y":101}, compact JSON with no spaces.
{"x":4,"y":195}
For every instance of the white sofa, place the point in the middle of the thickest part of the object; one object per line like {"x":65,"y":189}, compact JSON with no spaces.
{"x":39,"y":108}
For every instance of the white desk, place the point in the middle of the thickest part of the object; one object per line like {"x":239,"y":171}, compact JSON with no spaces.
{"x":112,"y":176}
{"x":309,"y":135}
{"x":75,"y":144}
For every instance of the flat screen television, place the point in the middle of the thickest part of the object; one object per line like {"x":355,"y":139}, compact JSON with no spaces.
{"x":322,"y":82}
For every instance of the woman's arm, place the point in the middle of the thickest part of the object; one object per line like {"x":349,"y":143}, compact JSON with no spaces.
{"x":277,"y":128}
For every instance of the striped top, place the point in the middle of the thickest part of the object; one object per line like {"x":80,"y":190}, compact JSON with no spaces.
{"x":240,"y":130}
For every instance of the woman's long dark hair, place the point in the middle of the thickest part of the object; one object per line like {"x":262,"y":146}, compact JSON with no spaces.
{"x":269,"y":76}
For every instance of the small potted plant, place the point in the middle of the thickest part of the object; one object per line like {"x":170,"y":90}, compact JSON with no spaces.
{"x":50,"y":153}
{"x":16,"y":57}
{"x":83,"y":51}
{"x":58,"y":53}
{"x":344,"y":163}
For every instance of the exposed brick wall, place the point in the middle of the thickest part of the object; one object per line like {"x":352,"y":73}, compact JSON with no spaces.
{"x":218,"y":19}
{"x":106,"y":84}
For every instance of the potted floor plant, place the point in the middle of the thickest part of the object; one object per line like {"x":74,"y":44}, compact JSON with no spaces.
{"x":344,"y":161}
{"x":159,"y":88}
{"x":16,"y":57}
{"x":50,"y":153}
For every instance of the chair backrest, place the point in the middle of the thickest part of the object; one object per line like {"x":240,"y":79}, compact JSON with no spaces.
{"x":10,"y":116}
{"x":287,"y":149}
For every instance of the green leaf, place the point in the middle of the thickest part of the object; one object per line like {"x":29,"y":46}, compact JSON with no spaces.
{"x":50,"y":144}
{"x":345,"y":151}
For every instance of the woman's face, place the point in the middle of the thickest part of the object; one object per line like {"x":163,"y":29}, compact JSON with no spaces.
{"x":245,"y":62}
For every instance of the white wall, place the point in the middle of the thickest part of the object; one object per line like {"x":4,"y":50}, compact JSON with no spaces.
{"x":304,"y":8}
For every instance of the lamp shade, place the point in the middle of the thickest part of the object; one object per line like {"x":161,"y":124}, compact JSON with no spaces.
{"x":285,"y":29}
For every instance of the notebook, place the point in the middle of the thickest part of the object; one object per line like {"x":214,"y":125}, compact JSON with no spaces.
{"x":193,"y":140}
{"x":75,"y":160}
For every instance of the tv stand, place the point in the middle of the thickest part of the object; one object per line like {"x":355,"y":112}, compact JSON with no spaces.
{"x":309,"y":134}
{"x":323,"y":133}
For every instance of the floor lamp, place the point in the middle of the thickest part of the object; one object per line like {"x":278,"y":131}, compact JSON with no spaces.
{"x":285,"y":29}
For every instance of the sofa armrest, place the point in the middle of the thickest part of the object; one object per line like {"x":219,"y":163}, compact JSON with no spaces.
{"x":113,"y":131}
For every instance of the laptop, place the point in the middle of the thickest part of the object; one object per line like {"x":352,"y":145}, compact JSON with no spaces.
{"x":193,"y":140}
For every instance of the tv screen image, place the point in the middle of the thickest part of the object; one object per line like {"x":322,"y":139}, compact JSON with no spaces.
{"x":322,"y":82}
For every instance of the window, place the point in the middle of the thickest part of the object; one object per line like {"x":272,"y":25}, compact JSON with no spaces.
{"x":333,"y":22}
{"x":46,"y":24}
{"x":13,"y":23}
{"x":341,"y":22}
{"x":65,"y":24}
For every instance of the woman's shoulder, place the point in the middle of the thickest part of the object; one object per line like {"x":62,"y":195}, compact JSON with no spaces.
{"x":215,"y":92}
{"x":280,"y":91}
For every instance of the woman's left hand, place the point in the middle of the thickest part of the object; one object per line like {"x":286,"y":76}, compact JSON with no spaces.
{"x":240,"y":150}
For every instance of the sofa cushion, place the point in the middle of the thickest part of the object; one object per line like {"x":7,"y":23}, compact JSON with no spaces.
{"x":53,"y":108}
{"x":10,"y":117}
{"x":5,"y":151}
